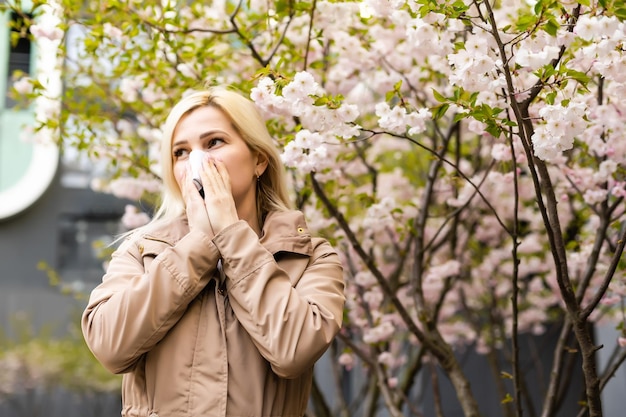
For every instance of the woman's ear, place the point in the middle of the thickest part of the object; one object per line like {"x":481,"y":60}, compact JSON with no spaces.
{"x":261,"y":164}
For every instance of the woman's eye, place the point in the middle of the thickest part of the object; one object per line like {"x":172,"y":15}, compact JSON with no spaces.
{"x":213,"y":142}
{"x":179,"y":153}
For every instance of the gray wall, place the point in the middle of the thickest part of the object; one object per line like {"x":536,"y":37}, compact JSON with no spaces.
{"x":36,"y":235}
{"x":44,"y":233}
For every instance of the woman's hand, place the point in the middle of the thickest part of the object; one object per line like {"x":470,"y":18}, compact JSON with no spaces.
{"x":218,"y":209}
{"x":197,"y":215}
{"x":218,"y":197}
{"x":219,"y":204}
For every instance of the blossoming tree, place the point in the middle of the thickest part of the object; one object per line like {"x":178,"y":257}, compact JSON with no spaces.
{"x":465,"y":157}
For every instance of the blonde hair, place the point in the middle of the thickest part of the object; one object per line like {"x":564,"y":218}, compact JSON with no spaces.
{"x":271,"y":188}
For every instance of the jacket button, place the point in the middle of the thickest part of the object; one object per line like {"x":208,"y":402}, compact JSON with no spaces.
{"x":141,"y":253}
{"x":300,"y":230}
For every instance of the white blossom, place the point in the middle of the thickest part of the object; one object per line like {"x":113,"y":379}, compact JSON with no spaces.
{"x":24,"y":85}
{"x":379,"y":333}
{"x":133,"y":217}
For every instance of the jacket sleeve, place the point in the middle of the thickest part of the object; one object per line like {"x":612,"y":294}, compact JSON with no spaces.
{"x":145,"y":291}
{"x":291,"y":326}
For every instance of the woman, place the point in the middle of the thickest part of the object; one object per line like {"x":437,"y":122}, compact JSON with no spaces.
{"x":221,"y":305}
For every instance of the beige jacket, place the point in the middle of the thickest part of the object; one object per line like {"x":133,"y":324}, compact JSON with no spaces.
{"x":195,"y":339}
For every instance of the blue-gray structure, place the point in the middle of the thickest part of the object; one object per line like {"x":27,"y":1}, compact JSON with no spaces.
{"x":56,"y":231}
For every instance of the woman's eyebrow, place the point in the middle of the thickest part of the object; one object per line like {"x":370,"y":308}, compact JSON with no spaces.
{"x":201,"y":136}
{"x":179,"y":142}
{"x":210,"y":132}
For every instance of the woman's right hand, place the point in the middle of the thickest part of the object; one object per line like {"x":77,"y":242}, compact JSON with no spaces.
{"x":197,"y":214}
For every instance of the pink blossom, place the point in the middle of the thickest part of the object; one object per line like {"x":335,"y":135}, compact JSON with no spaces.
{"x":112,"y":31}
{"x":133,"y":188}
{"x":50,"y":32}
{"x":530,"y":318}
{"x":47,"y":108}
{"x":387,"y":358}
{"x":187,"y":70}
{"x":378,"y":216}
{"x":531,"y":244}
{"x":590,"y":27}
{"x":365,"y":279}
{"x":301,"y":88}
{"x":348,"y":113}
{"x":595,"y":196}
{"x":501,"y":152}
{"x":537,"y":51}
{"x":476,"y":126}
{"x":619,"y":190}
{"x":24,"y":85}
{"x":562,"y":125}
{"x":150,"y":134}
{"x":134,"y":218}
{"x":151,"y":95}
{"x":310,"y":151}
{"x":267,"y":101}
{"x":379,"y":333}
{"x":346,"y":360}
{"x":264,"y":88}
{"x":606,"y":169}
{"x":373,"y":298}
{"x":611,"y":300}
{"x":397,"y":119}
{"x":422,"y":35}
{"x":417,"y":121}
{"x":129,"y":88}
{"x":380,"y":8}
{"x":621,"y":341}
{"x":447,"y":269}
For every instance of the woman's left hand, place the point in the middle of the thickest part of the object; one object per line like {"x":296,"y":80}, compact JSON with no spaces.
{"x":218,"y":197}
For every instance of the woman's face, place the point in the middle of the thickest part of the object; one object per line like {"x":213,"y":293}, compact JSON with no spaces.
{"x":209,"y":129}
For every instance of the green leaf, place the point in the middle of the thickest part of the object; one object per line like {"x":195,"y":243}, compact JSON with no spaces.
{"x":439,"y":97}
{"x":579,"y":76}
{"x":439,"y":111}
{"x":525,"y":22}
{"x":551,"y":97}
{"x":460,"y":116}
{"x":552,"y":27}
{"x":321,"y":101}
{"x":620,"y":13}
{"x":493,"y":129}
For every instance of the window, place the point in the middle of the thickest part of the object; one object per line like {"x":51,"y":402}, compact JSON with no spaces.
{"x":26,"y":168}
{"x":83,"y":241}
{"x":19,"y":51}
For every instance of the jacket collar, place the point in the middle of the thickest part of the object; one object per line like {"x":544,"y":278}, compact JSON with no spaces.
{"x":286,"y":231}
{"x":283,"y":231}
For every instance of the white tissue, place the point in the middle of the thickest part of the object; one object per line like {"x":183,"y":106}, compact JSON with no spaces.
{"x":195,"y":159}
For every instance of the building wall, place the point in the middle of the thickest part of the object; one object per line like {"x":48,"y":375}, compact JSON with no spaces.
{"x":47,"y":232}
{"x":39,"y":234}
